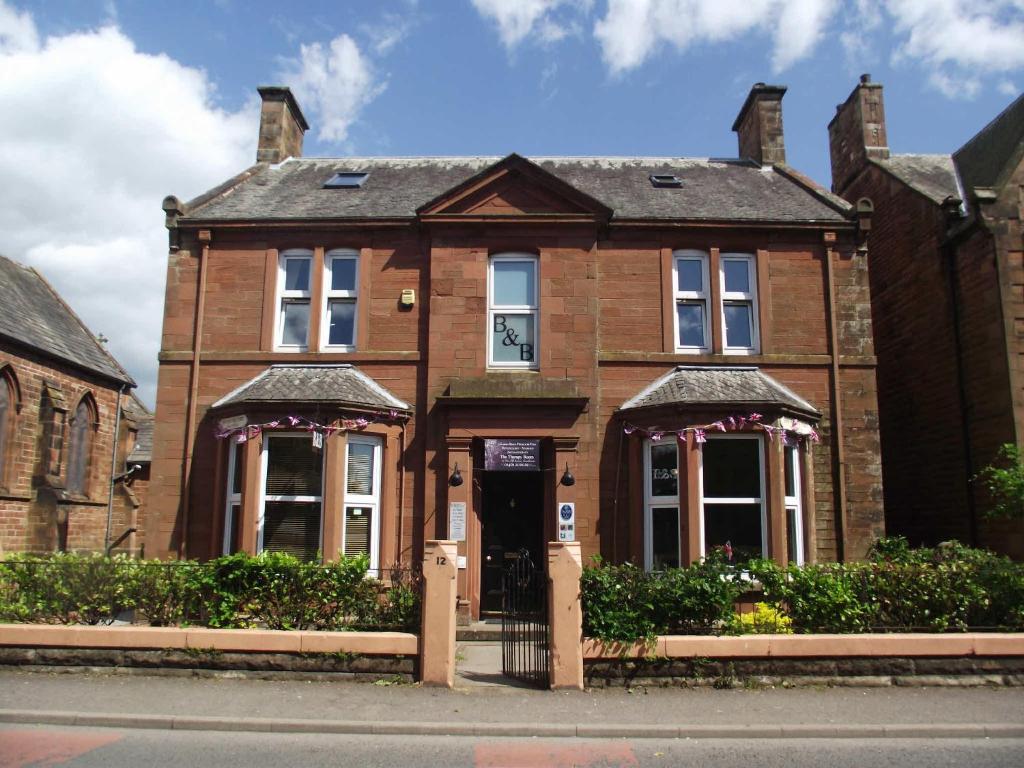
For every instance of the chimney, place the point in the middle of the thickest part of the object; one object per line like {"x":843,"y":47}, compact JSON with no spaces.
{"x":857,"y":133}
{"x":281,"y":125}
{"x":759,"y":125}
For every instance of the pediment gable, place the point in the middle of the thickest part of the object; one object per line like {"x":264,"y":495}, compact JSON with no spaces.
{"x":514,"y":189}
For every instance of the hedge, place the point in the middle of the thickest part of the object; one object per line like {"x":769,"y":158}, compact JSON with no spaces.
{"x":272,"y":590}
{"x":948,"y":588}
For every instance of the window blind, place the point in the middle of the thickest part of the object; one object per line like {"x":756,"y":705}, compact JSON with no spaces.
{"x":292,"y":527}
{"x":359,"y":474}
{"x":293,"y":467}
{"x":358,"y":524}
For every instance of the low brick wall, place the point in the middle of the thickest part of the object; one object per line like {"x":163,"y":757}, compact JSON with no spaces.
{"x":885,"y":659}
{"x":362,"y":655}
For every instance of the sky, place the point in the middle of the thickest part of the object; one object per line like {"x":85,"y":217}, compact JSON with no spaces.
{"x":108,"y":106}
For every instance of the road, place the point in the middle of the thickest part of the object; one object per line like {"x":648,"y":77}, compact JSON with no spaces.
{"x":114,"y":748}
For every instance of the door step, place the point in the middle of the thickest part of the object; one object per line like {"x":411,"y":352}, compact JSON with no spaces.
{"x":479,"y":631}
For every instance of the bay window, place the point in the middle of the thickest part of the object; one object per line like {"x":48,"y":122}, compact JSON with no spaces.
{"x":512,"y":316}
{"x":233,"y":500}
{"x":291,"y":512}
{"x":661,"y":507}
{"x":294,"y":291}
{"x":361,"y":523}
{"x":794,"y":507}
{"x":732,"y":496}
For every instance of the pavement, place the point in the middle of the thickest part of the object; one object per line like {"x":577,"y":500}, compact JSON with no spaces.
{"x":485,"y":704}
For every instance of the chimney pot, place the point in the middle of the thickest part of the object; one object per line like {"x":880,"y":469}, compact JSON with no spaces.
{"x":759,"y":125}
{"x":282,"y":125}
{"x":865,"y":78}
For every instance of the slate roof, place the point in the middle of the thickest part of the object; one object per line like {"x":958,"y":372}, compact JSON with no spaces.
{"x":932,"y":175}
{"x":718,"y":385}
{"x":712,"y":189}
{"x":34,"y":315}
{"x":142,"y":451}
{"x":328,"y":384}
{"x":995,"y":149}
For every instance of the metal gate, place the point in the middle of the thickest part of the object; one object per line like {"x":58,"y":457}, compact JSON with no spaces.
{"x":524,"y":622}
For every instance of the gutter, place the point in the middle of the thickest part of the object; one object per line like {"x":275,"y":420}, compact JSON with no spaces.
{"x":113,"y":468}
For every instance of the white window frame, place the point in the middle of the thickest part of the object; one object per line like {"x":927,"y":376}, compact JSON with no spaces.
{"x":265,"y":497}
{"x":349,"y":254}
{"x":740,"y":297}
{"x":513,"y":309}
{"x":292,"y":297}
{"x":736,"y":499}
{"x":794,"y":504}
{"x":651,"y":501}
{"x":361,"y":500}
{"x":231,"y":498}
{"x":702,"y":297}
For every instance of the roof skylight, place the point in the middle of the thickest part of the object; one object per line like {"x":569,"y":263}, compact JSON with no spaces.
{"x":665,"y":180}
{"x":346,"y":180}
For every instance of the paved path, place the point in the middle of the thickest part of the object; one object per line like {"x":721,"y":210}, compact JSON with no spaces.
{"x":163,"y":702}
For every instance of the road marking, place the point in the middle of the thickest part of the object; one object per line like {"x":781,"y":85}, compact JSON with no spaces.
{"x":523,"y":755}
{"x":45,"y":747}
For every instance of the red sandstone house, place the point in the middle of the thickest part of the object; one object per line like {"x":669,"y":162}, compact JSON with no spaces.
{"x":947,"y":266}
{"x":62,"y":400}
{"x":655,"y":356}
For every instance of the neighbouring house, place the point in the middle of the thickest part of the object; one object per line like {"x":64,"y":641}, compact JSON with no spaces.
{"x":656,"y":356}
{"x":63,"y":397}
{"x":947,"y":270}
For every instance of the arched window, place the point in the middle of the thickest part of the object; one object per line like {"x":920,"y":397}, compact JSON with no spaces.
{"x":8,"y":409}
{"x":83,"y":424}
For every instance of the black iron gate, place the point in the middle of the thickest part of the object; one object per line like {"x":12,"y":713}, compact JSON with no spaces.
{"x":524,"y":622}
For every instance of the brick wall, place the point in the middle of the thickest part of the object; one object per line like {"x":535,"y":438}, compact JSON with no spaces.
{"x":34,"y":517}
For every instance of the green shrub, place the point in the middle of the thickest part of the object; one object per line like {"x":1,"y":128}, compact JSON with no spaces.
{"x":818,"y":598}
{"x":273,"y":590}
{"x":65,"y":588}
{"x":1004,"y":481}
{"x":624,"y":603}
{"x":763,"y":620}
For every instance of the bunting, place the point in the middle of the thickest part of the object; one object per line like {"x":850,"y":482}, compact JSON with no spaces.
{"x":251,"y":431}
{"x":789,"y":431}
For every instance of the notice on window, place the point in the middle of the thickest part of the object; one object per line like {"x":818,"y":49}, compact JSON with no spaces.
{"x":512,"y":455}
{"x":457,"y":520}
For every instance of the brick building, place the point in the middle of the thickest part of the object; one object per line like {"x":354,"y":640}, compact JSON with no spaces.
{"x":947,"y":305}
{"x":60,"y":394}
{"x":363,"y":353}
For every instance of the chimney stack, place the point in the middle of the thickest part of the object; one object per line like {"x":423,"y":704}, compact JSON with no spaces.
{"x":282,"y":125}
{"x":857,"y":133}
{"x":759,"y":125}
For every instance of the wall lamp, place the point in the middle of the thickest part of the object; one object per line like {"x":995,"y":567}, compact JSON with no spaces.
{"x":456,"y":479}
{"x":567,"y":478}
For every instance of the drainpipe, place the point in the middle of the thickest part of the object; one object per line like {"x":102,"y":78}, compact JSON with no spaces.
{"x":190,"y":419}
{"x":951,"y":208}
{"x":401,"y":496}
{"x":113,"y":468}
{"x":839,"y":457}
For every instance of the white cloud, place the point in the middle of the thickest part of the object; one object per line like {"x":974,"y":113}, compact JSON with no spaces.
{"x":953,"y":87}
{"x":1007,"y":88}
{"x":93,"y":135}
{"x":550,"y":20}
{"x":984,"y":36}
{"x":385,"y":34}
{"x":632,"y":30}
{"x":335,"y":84}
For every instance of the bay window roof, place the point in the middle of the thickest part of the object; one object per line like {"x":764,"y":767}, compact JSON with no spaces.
{"x":720,"y":386}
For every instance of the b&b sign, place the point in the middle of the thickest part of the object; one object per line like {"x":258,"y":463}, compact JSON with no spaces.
{"x":512,"y":455}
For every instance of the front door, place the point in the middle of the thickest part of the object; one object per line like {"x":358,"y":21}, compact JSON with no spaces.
{"x":512,"y":520}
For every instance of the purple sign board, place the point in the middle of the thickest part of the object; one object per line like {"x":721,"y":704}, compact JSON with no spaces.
{"x":512,"y":455}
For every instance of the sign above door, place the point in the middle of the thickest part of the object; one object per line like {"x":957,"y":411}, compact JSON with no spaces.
{"x":507,"y":455}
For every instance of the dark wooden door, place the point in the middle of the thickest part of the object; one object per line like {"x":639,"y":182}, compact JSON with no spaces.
{"x":512,"y":520}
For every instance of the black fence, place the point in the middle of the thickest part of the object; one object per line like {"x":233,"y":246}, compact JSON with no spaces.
{"x":524,"y":623}
{"x":230,"y":592}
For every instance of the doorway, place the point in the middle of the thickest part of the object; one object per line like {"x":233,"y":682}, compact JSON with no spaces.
{"x":512,"y":519}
